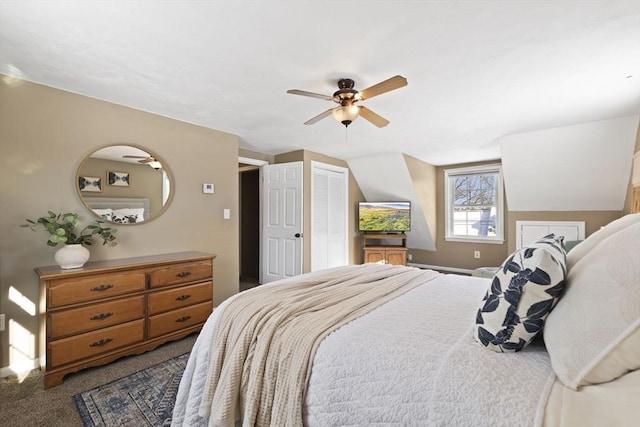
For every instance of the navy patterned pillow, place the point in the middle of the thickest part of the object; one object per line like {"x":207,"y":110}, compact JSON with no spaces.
{"x":523,"y":292}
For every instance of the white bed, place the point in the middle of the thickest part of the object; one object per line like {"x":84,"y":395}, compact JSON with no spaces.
{"x":414,"y":359}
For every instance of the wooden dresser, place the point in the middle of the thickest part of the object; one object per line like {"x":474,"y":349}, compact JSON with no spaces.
{"x":110,"y":309}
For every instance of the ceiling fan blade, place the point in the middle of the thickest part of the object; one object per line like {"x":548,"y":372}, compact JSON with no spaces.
{"x":319,"y":117}
{"x":388,"y":85}
{"x":128,"y":156}
{"x":147,"y":160}
{"x":369,"y":115}
{"x":311,"y":94}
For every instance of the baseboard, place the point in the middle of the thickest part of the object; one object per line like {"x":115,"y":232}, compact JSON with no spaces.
{"x":25,"y":366}
{"x":441,"y":268}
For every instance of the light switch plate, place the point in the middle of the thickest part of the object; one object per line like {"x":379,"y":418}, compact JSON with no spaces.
{"x":208,"y":188}
{"x":226,"y":213}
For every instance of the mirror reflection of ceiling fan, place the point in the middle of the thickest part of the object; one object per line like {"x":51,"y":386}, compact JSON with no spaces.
{"x":347,"y":97}
{"x":143,"y":159}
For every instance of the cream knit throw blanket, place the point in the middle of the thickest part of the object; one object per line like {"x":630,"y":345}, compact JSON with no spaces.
{"x":265,"y":340}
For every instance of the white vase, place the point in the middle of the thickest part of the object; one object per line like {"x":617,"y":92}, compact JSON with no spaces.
{"x":72,"y":256}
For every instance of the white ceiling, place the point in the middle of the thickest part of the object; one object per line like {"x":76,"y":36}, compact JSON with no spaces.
{"x":477,"y":70}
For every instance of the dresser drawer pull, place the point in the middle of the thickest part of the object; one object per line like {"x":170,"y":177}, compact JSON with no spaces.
{"x":101,"y":316}
{"x":183,"y":274}
{"x":183,"y":319}
{"x":183,"y":297}
{"x":102,"y":287}
{"x":101,"y":342}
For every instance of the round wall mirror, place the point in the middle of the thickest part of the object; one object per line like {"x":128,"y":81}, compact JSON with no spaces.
{"x":124,"y":184}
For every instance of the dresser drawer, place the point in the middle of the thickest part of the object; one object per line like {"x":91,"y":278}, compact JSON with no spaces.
{"x":94,"y":343}
{"x":96,"y":316}
{"x":180,"y":273}
{"x":176,"y":320}
{"x":69,"y":291}
{"x":172,"y":299}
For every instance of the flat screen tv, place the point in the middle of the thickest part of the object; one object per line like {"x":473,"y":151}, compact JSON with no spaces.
{"x":384,"y":217}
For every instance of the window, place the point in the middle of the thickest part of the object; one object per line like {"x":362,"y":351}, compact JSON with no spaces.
{"x":474,"y":205}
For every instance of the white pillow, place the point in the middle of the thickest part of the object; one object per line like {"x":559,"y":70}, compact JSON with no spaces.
{"x":128,"y":215}
{"x":106,"y":213}
{"x":581,"y":249}
{"x":593,"y":334}
{"x":523,"y":291}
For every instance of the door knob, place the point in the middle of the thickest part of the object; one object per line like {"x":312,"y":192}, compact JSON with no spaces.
{"x":298,"y":235}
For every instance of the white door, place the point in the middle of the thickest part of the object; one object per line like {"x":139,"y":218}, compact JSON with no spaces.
{"x":329,"y":216}
{"x":282,"y":221}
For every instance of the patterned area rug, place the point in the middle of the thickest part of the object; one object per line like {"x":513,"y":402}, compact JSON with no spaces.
{"x":145,"y":398}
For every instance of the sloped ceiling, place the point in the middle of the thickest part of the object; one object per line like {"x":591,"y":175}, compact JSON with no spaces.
{"x":387,"y":178}
{"x":477,"y":70}
{"x":582,"y":167}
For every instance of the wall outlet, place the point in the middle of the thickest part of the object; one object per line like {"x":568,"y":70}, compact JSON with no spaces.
{"x":476,"y":254}
{"x":1,"y":322}
{"x":409,"y":257}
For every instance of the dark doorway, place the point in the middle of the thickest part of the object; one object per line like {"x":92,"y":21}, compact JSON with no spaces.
{"x":249,"y":225}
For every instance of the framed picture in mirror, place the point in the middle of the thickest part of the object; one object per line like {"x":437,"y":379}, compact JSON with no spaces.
{"x":90,"y":184}
{"x":119,"y":179}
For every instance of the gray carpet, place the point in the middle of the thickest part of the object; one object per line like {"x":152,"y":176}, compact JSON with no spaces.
{"x":23,"y":402}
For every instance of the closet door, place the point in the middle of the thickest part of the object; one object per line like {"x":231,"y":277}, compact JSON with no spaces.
{"x":329,"y":216}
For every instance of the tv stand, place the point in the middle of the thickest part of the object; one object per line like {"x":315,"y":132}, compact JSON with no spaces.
{"x":385,"y":248}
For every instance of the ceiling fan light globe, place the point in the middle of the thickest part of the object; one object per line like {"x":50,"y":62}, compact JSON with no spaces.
{"x":346,"y":114}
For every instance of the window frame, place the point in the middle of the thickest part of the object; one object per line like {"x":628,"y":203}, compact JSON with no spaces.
{"x":449,"y":174}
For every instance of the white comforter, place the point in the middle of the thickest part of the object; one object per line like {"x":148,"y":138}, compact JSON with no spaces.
{"x":412,"y":361}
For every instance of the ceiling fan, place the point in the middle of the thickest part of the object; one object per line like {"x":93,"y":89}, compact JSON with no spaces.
{"x":146,"y":160}
{"x":346,"y":96}
{"x":143,"y":159}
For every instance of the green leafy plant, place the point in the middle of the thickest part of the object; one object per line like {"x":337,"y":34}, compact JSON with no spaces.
{"x":64,"y":229}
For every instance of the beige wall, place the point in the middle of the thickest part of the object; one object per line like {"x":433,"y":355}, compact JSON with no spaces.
{"x":355,"y":196}
{"x":423,"y":177}
{"x":44,"y":135}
